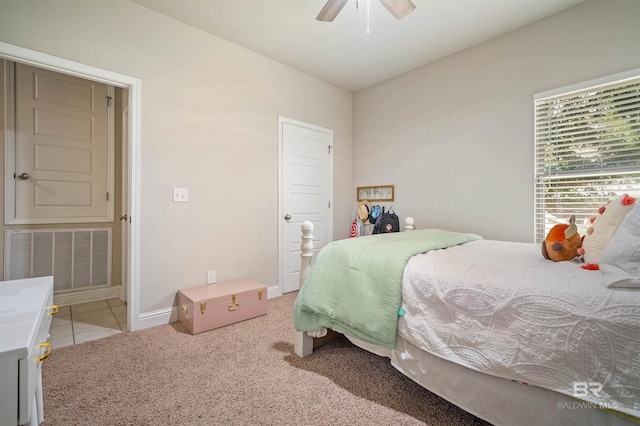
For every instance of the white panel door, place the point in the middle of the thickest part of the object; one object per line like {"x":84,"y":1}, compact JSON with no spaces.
{"x":306,"y":191}
{"x":63,"y":151}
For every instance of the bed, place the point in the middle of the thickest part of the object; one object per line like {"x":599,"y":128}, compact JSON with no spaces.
{"x":491,"y":326}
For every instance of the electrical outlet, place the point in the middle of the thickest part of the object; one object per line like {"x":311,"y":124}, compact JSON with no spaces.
{"x":211,"y":277}
{"x":180,"y":195}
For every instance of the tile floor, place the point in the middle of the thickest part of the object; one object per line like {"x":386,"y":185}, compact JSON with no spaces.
{"x":87,"y":321}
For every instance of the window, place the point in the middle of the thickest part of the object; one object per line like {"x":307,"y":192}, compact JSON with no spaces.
{"x":587,"y":149}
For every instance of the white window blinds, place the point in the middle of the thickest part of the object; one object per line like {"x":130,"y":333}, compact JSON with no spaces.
{"x":587,"y":151}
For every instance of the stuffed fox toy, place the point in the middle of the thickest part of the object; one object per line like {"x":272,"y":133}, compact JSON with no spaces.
{"x":562,"y":242}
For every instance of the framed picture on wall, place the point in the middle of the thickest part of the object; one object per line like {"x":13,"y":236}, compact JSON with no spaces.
{"x":375,"y":193}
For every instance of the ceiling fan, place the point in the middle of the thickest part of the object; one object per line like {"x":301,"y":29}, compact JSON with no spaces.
{"x":398,"y":8}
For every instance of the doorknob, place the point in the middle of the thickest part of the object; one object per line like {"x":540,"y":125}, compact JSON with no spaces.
{"x":287,"y":216}
{"x":24,"y":176}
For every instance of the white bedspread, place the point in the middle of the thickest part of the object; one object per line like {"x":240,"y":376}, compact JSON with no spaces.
{"x":527,"y":319}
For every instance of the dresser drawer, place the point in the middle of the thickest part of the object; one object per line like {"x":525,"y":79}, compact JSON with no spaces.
{"x":32,"y":365}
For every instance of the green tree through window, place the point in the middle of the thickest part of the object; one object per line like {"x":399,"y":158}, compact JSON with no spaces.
{"x":587,"y":151}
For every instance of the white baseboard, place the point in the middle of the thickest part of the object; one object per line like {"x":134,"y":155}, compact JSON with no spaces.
{"x":159,"y":317}
{"x":89,"y":295}
{"x":273,"y":291}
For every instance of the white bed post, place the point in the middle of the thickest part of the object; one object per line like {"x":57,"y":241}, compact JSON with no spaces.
{"x":306,"y":251}
{"x":304,"y":342}
{"x":409,"y":224}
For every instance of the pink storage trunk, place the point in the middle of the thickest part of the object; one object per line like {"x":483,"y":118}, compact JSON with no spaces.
{"x":216,"y":305}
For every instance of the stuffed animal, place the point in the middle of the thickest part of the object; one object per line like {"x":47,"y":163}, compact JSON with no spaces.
{"x":602,"y":229}
{"x":562,"y":242}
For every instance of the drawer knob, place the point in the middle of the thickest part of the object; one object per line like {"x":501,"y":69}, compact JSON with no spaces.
{"x":54,"y":310}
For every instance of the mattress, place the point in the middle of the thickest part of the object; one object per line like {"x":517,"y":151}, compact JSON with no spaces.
{"x":526,"y":319}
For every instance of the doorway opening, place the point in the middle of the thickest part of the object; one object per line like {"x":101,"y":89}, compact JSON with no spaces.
{"x":130,"y":88}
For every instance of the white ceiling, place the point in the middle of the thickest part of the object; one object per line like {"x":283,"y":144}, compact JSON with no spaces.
{"x":341,"y":52}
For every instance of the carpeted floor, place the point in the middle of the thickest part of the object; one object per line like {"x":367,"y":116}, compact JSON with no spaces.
{"x":242,"y":374}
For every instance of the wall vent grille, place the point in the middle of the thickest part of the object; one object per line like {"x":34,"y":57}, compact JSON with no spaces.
{"x":76,"y":258}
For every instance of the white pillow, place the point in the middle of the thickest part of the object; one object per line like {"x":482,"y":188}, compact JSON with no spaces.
{"x":603,"y":228}
{"x":620,"y":261}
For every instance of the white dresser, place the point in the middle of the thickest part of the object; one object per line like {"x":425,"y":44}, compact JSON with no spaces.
{"x":26,"y":307}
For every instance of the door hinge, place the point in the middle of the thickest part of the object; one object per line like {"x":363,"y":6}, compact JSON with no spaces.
{"x":109,"y":98}
{"x":107,"y":196}
{"x":329,"y":204}
{"x":330,"y":149}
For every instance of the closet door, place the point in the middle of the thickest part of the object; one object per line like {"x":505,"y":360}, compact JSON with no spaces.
{"x":63,"y":148}
{"x":306,"y":190}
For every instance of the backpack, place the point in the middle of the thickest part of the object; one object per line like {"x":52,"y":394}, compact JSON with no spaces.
{"x":387,"y":222}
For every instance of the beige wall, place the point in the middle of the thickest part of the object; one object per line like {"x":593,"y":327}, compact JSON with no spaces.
{"x":209,"y":123}
{"x":456,"y":136}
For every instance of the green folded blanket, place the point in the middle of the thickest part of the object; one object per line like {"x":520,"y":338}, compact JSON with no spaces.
{"x":355,"y":285}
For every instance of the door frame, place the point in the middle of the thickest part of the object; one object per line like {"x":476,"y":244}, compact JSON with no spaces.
{"x":124,"y":207}
{"x":133,"y":85}
{"x":281,"y":121}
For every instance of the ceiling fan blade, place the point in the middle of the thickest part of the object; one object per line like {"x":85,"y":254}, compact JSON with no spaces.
{"x":399,"y":8}
{"x":331,"y":10}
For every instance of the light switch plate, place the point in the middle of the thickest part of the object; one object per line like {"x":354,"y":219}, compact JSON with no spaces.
{"x":180,"y":195}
